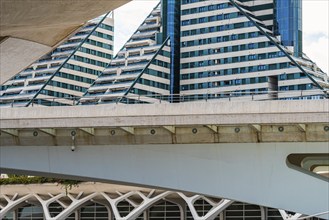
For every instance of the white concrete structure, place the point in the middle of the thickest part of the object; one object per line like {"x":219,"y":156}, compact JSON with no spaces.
{"x":252,"y":173}
{"x":243,"y":151}
{"x":124,"y":203}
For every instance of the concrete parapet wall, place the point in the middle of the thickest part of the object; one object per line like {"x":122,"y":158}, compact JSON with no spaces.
{"x":202,"y":113}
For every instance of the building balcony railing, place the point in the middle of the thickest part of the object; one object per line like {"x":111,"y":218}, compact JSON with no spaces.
{"x":62,"y":53}
{"x":117,"y":95}
{"x":111,"y":86}
{"x":47,"y":70}
{"x":51,"y":61}
{"x":71,"y":44}
{"x":132,"y":59}
{"x":116,"y":77}
{"x":140,"y":43}
{"x":131,"y":67}
{"x":149,"y":27}
{"x":144,"y":34}
{"x":16,"y":97}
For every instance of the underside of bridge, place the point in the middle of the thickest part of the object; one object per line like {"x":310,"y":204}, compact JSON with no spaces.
{"x":29,"y":29}
{"x":246,"y":172}
{"x":271,"y":153}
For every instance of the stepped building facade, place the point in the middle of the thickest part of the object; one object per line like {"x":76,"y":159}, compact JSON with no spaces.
{"x":184,"y":50}
{"x":62,"y":76}
{"x":222,"y":49}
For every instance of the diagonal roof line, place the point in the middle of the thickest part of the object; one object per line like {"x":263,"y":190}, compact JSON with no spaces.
{"x":280,"y":48}
{"x":143,"y":71}
{"x":67,"y":59}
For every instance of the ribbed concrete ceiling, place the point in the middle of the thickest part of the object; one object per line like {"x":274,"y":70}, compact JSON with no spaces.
{"x":49,"y":22}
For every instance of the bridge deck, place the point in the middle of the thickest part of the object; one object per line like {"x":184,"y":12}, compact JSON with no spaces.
{"x":202,"y":122}
{"x":207,"y":148}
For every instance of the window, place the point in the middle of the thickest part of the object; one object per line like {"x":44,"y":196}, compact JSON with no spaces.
{"x":251,"y":46}
{"x":262,"y":67}
{"x":184,"y":23}
{"x":202,"y":9}
{"x":252,"y":57}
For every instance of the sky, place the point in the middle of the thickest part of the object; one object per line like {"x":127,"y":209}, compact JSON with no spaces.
{"x":315,"y":27}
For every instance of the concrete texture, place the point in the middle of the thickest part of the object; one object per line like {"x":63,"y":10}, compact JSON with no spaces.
{"x":16,"y":54}
{"x":156,"y":146}
{"x":252,"y":173}
{"x":193,"y":113}
{"x":48,"y":22}
{"x":30,"y":28}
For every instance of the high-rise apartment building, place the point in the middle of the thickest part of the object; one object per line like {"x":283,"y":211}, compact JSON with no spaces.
{"x":225,"y":49}
{"x":63,"y":75}
{"x":183,"y":51}
{"x":141,"y":67}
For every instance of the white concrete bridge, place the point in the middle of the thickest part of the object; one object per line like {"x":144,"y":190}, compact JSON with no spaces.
{"x":271,"y":153}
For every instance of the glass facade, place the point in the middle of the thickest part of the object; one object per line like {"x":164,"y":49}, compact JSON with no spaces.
{"x":173,"y":31}
{"x":289,"y":24}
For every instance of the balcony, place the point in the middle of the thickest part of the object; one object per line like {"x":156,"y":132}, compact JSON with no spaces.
{"x":117,"y":77}
{"x":47,"y":70}
{"x":156,"y":12}
{"x":15,"y":89}
{"x":15,"y":82}
{"x":149,"y":27}
{"x":62,"y":53}
{"x":140,"y":43}
{"x":132,"y":60}
{"x":17,"y":96}
{"x":51,"y":61}
{"x":111,"y":86}
{"x":147,"y":34}
{"x":69,"y":44}
{"x":80,"y":35}
{"x":135,"y":67}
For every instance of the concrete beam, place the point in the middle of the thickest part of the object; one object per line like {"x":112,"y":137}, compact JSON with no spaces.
{"x":257,"y":128}
{"x":301,"y":127}
{"x":129,"y":130}
{"x":252,"y":173}
{"x":12,"y":132}
{"x":157,"y":135}
{"x":180,"y":114}
{"x":90,"y":131}
{"x":212,"y":128}
{"x":49,"y":131}
{"x":171,"y":129}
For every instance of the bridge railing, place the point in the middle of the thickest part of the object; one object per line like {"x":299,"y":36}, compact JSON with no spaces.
{"x":174,"y":98}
